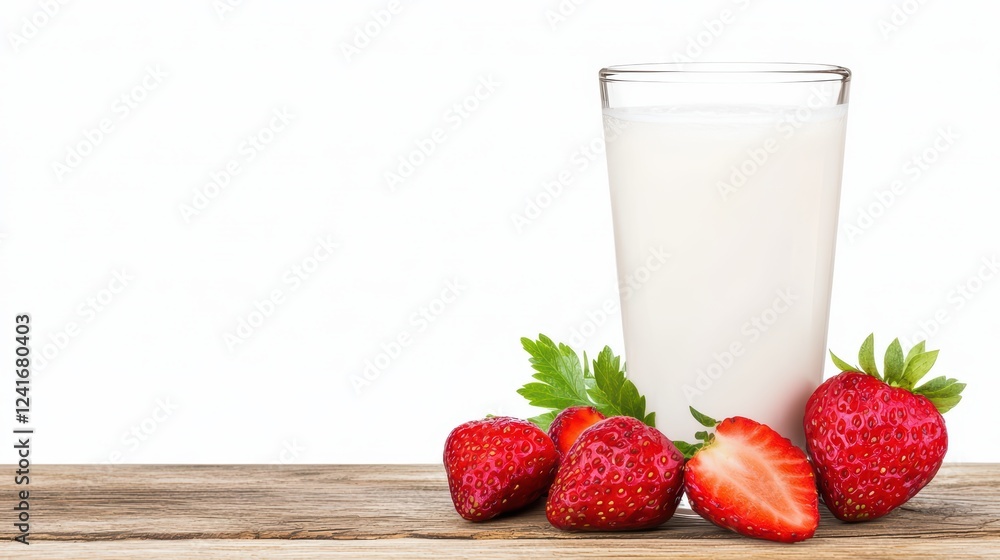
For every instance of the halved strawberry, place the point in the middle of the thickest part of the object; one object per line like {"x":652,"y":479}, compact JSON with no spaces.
{"x":570,"y":423}
{"x":748,"y":478}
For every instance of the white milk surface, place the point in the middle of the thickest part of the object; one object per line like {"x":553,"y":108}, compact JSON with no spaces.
{"x":745,"y":201}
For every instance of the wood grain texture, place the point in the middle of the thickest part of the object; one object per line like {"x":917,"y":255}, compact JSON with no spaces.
{"x":273,"y":511}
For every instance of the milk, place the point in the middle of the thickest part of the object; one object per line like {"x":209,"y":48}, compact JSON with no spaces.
{"x":744,"y":200}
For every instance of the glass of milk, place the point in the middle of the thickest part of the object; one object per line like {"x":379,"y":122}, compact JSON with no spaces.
{"x":725,"y":189}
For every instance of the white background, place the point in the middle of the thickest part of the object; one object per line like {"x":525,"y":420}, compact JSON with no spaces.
{"x":149,"y":378}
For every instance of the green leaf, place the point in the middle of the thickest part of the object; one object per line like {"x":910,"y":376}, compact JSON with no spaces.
{"x":952,"y":390}
{"x":944,"y":404}
{"x":650,"y":420}
{"x":940,"y":387}
{"x":702,"y":419}
{"x":894,"y":362}
{"x":917,"y":349}
{"x":543,"y":421}
{"x":543,"y":395}
{"x":934,"y":385}
{"x":561,"y":381}
{"x":615,"y":394}
{"x":687,"y":449}
{"x":607,"y":361}
{"x":866,"y":357}
{"x":841,"y":364}
{"x":559,"y":374}
{"x":944,"y":393}
{"x":703,"y":435}
{"x":918,"y":368}
{"x":588,"y":376}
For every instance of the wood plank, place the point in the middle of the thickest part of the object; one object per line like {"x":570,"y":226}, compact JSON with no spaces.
{"x":238,"y":509}
{"x":533,"y":549}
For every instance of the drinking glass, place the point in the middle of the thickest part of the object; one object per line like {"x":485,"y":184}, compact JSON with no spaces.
{"x":725,"y":188}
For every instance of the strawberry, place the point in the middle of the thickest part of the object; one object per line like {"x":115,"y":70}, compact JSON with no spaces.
{"x":747,"y":478}
{"x":497,"y":465}
{"x":619,"y":475}
{"x":876,"y":441}
{"x":570,"y":423}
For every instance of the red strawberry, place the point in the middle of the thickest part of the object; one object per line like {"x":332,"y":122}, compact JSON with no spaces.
{"x":570,"y":423}
{"x":874,"y":441}
{"x":620,"y":475}
{"x":748,"y":478}
{"x":497,"y":465}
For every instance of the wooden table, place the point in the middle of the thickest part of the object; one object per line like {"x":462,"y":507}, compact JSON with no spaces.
{"x":352,"y":511}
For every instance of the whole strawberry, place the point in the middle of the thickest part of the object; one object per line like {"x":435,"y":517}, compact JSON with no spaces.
{"x":747,"y":478}
{"x":567,"y":426}
{"x":619,"y":475}
{"x":876,"y":441}
{"x":497,"y":465}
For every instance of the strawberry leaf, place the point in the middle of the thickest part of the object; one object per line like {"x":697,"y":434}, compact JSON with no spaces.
{"x":943,"y":392}
{"x":841,"y":364}
{"x":615,"y":394}
{"x":937,"y":386}
{"x":687,"y":449}
{"x":543,"y":421}
{"x":918,"y":348}
{"x":952,"y":390}
{"x":588,"y":376}
{"x":866,"y":357}
{"x":702,"y":419}
{"x":544,"y":395}
{"x":894,"y":363}
{"x":905,"y":373}
{"x":703,"y":436}
{"x":562,"y":381}
{"x":944,"y":404}
{"x":918,"y":368}
{"x":559,"y":374}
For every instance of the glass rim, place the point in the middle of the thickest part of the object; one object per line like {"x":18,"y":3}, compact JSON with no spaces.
{"x":725,"y":72}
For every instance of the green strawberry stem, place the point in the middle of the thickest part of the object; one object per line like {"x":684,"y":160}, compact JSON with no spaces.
{"x":703,"y":437}
{"x":906,"y":372}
